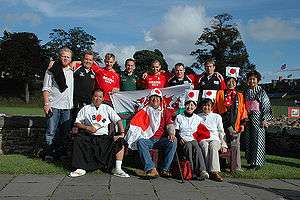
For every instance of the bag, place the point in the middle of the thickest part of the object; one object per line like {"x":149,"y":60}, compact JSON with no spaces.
{"x":186,"y":170}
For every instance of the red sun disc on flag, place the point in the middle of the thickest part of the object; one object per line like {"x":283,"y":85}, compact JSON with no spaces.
{"x":208,"y":93}
{"x":191,"y":94}
{"x":232,"y":71}
{"x":98,"y":118}
{"x":157,"y":91}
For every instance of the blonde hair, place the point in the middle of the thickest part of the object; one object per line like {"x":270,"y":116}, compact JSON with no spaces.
{"x":65,"y":49}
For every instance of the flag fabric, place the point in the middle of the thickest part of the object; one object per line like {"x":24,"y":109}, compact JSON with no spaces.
{"x":201,"y":133}
{"x":132,"y":101}
{"x":232,"y":72}
{"x":283,"y":67}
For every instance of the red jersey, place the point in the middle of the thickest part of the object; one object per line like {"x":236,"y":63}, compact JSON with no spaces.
{"x":106,"y":80}
{"x":159,"y":80}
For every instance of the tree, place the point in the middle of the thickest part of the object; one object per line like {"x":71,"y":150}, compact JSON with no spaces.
{"x":222,"y":41}
{"x":76,"y":39}
{"x":144,"y":58}
{"x":22,"y":58}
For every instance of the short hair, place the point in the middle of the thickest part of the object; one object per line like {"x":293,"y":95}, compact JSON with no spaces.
{"x":155,"y":61}
{"x":109,"y":55}
{"x":187,"y":102}
{"x":128,"y":60}
{"x":254,"y":73}
{"x":65,"y":49}
{"x":206,"y":101}
{"x":209,"y":61}
{"x":91,"y":53}
{"x":179,"y":64}
{"x":96,"y":90}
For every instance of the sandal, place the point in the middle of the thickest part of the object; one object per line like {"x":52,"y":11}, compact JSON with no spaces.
{"x":77,"y":173}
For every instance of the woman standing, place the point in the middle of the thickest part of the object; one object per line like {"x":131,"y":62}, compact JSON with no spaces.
{"x":259,"y":113}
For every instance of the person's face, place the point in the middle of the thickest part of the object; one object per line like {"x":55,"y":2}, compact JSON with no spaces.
{"x":156,"y":67}
{"x":179,"y":71}
{"x":109,"y":63}
{"x":207,"y":108}
{"x":154,"y":101}
{"x":130,"y":66}
{"x":97,"y":98}
{"x":66,"y":58}
{"x":209,"y":68}
{"x":88,"y":61}
{"x":231,"y":83}
{"x":190,"y":107}
{"x":252,"y":82}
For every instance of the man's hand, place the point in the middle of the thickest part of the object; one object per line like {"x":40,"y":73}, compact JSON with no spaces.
{"x":264,"y":124}
{"x":242,"y":128}
{"x":145,"y":75}
{"x":172,"y":138}
{"x":47,"y":108}
{"x":90,"y":129}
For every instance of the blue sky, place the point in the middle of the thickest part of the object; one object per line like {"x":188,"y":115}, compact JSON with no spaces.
{"x":269,"y":28}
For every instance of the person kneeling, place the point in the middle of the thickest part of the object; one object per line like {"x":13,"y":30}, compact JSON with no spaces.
{"x":93,"y":148}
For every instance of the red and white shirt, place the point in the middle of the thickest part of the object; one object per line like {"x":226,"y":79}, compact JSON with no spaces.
{"x":158,"y":80}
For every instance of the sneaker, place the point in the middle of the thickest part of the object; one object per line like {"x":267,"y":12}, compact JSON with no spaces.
{"x":119,"y":173}
{"x":152,"y":173}
{"x":216,"y":177}
{"x":203,"y":175}
{"x":165,"y":173}
{"x":77,"y":173}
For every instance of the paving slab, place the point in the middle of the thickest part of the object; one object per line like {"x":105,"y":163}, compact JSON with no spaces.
{"x":24,"y":198}
{"x":88,"y":179}
{"x":4,"y":180}
{"x":81,"y":192}
{"x":133,"y":196}
{"x":293,"y":181}
{"x":30,"y":186}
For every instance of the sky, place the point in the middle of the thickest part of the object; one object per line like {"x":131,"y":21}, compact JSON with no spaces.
{"x":270,"y":29}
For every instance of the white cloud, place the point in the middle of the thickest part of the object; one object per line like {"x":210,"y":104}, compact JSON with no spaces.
{"x":177,"y":33}
{"x":13,"y":18}
{"x":121,"y":52}
{"x":55,"y":8}
{"x":269,"y":29}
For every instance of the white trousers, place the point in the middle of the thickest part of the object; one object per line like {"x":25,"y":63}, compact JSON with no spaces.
{"x":210,"y":151}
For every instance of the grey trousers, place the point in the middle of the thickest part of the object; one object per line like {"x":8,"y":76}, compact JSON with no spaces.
{"x":235,"y":154}
{"x":193,"y":153}
{"x":211,"y":154}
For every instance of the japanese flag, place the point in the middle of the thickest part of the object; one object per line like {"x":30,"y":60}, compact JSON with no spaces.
{"x":232,"y":72}
{"x":210,"y":94}
{"x":192,"y":95}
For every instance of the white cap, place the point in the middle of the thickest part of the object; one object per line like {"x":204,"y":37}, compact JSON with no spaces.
{"x":210,"y":94}
{"x":192,"y":95}
{"x":232,"y":72}
{"x":156,"y":92}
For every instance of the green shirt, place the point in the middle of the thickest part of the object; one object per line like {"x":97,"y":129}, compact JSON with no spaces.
{"x":127,"y":82}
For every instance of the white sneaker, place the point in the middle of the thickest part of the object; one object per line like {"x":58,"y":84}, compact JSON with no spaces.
{"x":77,"y":173}
{"x":204,"y":175}
{"x":119,"y":173}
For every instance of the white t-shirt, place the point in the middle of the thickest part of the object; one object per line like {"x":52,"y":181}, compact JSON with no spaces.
{"x":99,"y":118}
{"x":214,"y":124}
{"x":187,"y":126}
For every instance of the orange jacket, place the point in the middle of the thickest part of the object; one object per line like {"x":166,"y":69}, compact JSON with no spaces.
{"x":220,"y":108}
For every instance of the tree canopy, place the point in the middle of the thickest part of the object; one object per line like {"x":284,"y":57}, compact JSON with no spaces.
{"x":76,"y":39}
{"x":222,"y":41}
{"x":144,"y":58}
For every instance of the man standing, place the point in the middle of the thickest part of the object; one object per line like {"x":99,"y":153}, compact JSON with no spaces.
{"x":153,"y":128}
{"x":210,"y":80}
{"x":127,"y":77}
{"x":180,"y":77}
{"x":156,"y":78}
{"x":58,"y":101}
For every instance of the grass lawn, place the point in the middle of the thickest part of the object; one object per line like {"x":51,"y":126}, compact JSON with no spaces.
{"x":32,"y":111}
{"x":276,"y":167}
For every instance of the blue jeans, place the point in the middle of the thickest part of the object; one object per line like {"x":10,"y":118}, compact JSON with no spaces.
{"x":61,"y":118}
{"x":169,"y":148}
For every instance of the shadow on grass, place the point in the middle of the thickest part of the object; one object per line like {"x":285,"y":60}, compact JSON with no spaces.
{"x":282,"y":162}
{"x":286,"y":193}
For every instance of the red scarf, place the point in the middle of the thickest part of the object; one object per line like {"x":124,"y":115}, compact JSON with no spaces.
{"x":229,"y":97}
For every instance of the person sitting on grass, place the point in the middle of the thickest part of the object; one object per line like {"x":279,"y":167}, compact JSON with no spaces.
{"x":93,"y":148}
{"x":186,"y":124}
{"x":216,"y":140}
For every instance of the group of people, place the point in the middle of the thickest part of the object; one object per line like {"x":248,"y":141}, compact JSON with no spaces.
{"x":77,"y":94}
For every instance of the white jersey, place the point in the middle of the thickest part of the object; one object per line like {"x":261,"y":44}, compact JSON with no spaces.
{"x":214,"y":124}
{"x":99,"y":118}
{"x":187,"y":126}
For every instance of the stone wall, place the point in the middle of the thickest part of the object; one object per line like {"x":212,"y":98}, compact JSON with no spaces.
{"x":25,"y":135}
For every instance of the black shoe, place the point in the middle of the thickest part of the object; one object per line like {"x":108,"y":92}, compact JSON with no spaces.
{"x":166,"y":174}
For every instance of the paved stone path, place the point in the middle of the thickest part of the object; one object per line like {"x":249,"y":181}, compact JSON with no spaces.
{"x":105,"y":186}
